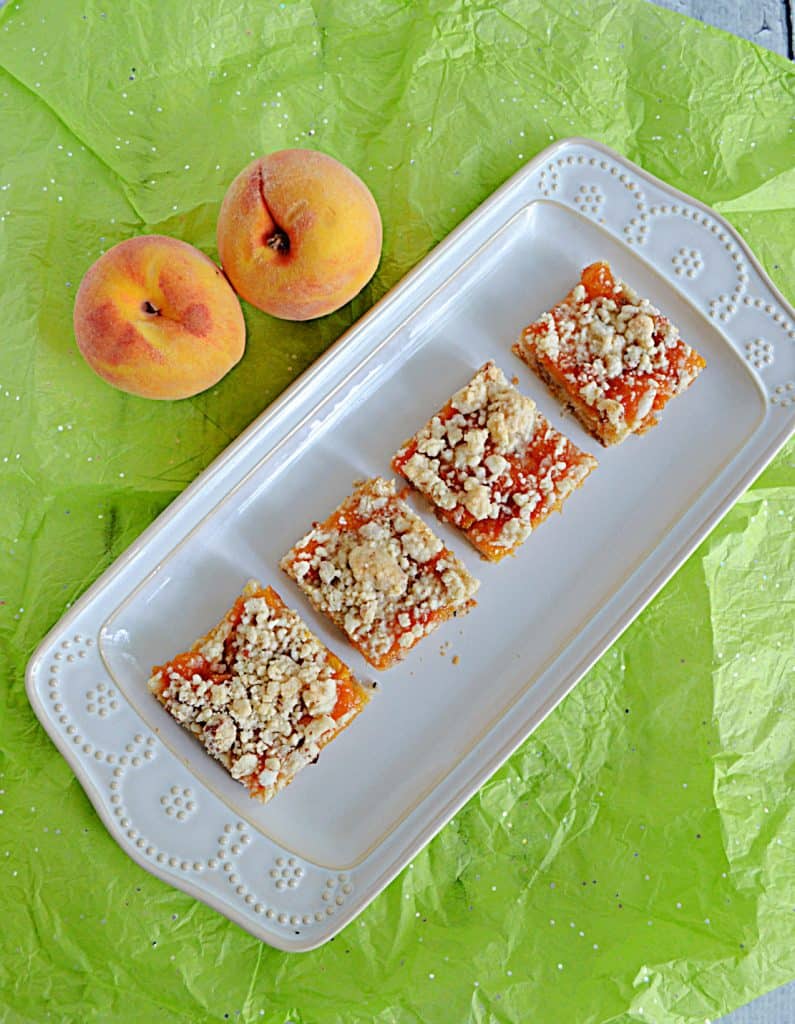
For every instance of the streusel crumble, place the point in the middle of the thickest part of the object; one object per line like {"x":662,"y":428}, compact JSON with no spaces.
{"x":379,"y":573}
{"x":609,"y":355}
{"x":491,"y":464}
{"x":260,"y":692}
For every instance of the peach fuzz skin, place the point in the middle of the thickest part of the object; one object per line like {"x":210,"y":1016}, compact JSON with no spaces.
{"x":298,"y":234}
{"x":157,"y":318}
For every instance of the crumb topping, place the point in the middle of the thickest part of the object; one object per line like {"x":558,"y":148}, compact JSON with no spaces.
{"x":490,"y":462}
{"x":261,"y":692}
{"x":615,"y":351}
{"x":379,"y":572}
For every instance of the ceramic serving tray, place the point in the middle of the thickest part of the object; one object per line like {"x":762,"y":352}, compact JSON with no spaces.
{"x":295,"y":871}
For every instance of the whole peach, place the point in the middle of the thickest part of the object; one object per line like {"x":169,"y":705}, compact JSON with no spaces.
{"x":156,"y":317}
{"x":298,"y":234}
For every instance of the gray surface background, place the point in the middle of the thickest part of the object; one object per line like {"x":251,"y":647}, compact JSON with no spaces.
{"x":767,"y":23}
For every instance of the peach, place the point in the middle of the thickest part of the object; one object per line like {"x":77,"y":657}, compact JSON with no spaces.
{"x":298,"y":234}
{"x":156,"y":317}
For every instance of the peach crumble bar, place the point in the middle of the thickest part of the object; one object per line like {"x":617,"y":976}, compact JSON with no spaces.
{"x":379,"y":573}
{"x":260,"y":692}
{"x":609,"y":355}
{"x":491,"y":464}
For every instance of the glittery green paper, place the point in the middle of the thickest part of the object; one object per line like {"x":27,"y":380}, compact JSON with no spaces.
{"x":634,"y":860}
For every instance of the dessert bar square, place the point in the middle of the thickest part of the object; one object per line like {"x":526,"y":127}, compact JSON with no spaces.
{"x":609,"y":355}
{"x":260,"y":692}
{"x":491,"y":464}
{"x":379,"y":573}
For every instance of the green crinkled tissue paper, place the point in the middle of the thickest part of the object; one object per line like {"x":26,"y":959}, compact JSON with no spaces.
{"x":633,"y":861}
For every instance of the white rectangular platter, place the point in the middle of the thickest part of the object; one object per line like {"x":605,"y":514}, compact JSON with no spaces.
{"x":298,"y":869}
